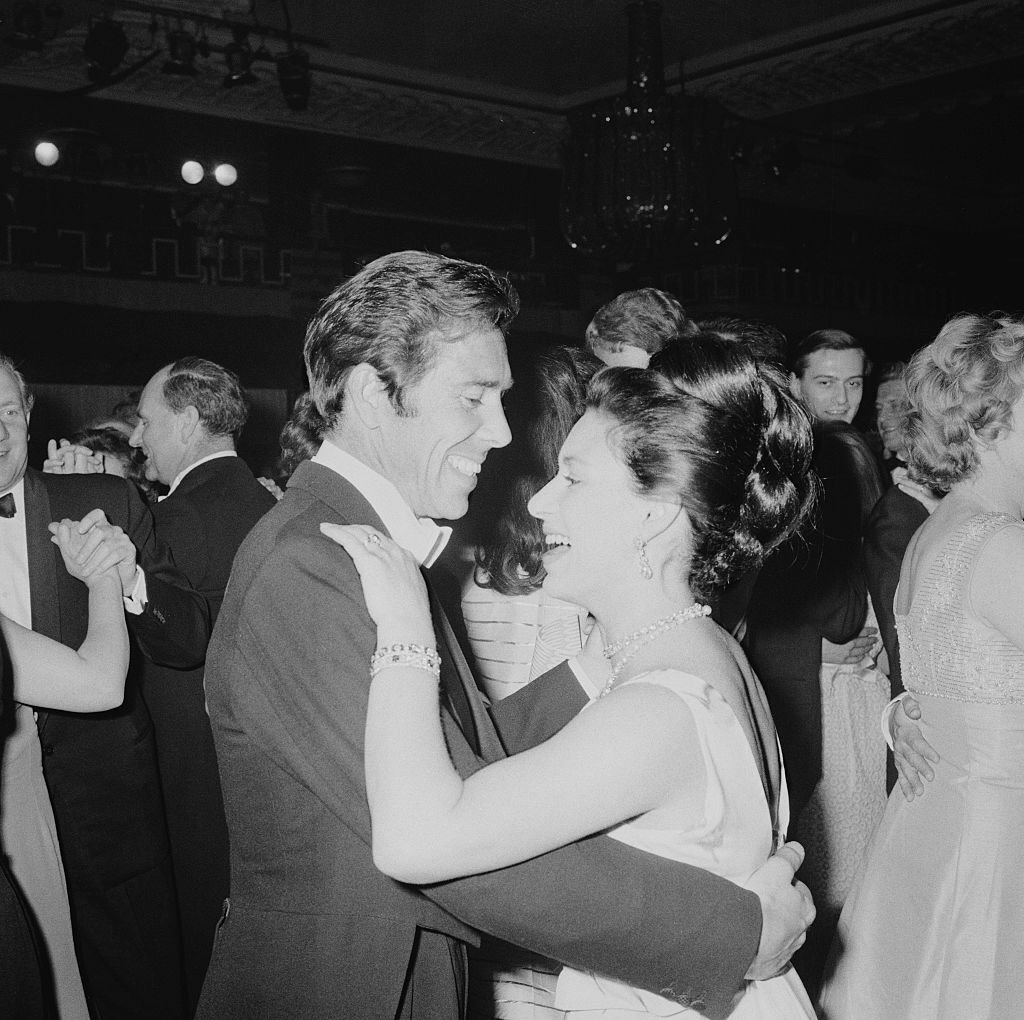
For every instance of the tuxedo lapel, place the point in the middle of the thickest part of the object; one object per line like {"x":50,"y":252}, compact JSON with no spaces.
{"x":42,"y":566}
{"x":463,"y":700}
{"x":460,"y":687}
{"x":44,"y":593}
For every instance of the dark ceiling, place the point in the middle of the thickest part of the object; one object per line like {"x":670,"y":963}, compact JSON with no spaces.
{"x":875,"y":135}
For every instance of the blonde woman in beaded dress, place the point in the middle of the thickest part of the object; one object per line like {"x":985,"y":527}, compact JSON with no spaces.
{"x":935,"y":925}
{"x":660,"y":497}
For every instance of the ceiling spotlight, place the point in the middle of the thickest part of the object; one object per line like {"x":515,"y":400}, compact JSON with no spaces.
{"x":28,"y":27}
{"x":225,"y":174}
{"x":182,"y":49}
{"x":192,"y":172}
{"x":47,"y":153}
{"x":104,"y":48}
{"x":238,"y":57}
{"x":294,"y":78}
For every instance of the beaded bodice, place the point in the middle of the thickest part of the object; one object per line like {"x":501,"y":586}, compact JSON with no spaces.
{"x":945,"y":649}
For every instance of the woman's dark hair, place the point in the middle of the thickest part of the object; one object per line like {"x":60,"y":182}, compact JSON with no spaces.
{"x":113,"y":442}
{"x":859,"y":460}
{"x":301,"y":436}
{"x":713,"y":430}
{"x":548,"y":399}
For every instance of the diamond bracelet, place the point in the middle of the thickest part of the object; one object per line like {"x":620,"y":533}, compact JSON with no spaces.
{"x":415,"y":656}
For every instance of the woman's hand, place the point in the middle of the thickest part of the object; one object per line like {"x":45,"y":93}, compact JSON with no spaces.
{"x":394,"y":589}
{"x":84,"y":558}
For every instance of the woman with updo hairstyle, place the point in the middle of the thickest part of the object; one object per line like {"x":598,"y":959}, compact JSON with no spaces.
{"x":661,"y":496}
{"x":933,"y":927}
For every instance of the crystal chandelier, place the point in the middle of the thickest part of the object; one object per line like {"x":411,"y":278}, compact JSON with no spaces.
{"x":647,"y":175}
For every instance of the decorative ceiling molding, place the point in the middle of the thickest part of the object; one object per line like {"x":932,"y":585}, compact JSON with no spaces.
{"x":900,"y":53}
{"x":426,"y":114}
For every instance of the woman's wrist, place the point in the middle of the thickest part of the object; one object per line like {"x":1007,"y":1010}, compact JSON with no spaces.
{"x":100,"y":582}
{"x":406,"y":655}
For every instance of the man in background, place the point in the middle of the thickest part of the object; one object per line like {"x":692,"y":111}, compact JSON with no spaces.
{"x":191,"y":414}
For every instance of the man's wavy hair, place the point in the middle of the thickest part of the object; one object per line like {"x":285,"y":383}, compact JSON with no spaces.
{"x":392,"y":315}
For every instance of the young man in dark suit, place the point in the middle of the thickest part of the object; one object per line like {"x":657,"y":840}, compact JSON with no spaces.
{"x":101,"y":769}
{"x":314,"y":930}
{"x":191,"y":414}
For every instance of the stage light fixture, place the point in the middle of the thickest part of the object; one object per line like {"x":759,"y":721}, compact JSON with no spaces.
{"x":181,"y":46}
{"x":192,"y":172}
{"x":105,"y":47}
{"x":225,"y":174}
{"x":46,"y":153}
{"x":294,"y":78}
{"x":238,"y":57}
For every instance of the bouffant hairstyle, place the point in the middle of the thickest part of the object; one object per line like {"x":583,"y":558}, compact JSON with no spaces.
{"x":711,"y":429}
{"x":548,"y":399}
{"x":962,"y":388}
{"x":647,"y":318}
{"x":392,"y":314}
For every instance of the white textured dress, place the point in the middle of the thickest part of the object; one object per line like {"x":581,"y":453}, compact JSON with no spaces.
{"x":934,"y":928}
{"x":732,"y":838}
{"x":29,"y":836}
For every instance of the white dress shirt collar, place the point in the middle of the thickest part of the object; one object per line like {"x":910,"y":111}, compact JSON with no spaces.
{"x":192,"y":467}
{"x":419,"y":535}
{"x":15,"y":600}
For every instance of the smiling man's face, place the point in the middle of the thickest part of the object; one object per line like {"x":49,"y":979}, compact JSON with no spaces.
{"x":433,"y":453}
{"x":13,"y":432}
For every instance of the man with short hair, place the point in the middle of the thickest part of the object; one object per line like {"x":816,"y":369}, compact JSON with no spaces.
{"x":634,"y":326}
{"x":827,"y":375}
{"x":407,"y":365}
{"x":191,"y":414}
{"x":101,"y":769}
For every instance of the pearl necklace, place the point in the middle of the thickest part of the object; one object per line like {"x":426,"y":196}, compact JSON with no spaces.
{"x":628,"y":646}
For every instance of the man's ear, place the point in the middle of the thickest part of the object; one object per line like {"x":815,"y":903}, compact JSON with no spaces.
{"x":794,"y":386}
{"x":188,"y":422}
{"x":366,"y":394}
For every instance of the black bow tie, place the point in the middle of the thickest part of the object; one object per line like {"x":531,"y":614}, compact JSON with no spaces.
{"x":7,"y":507}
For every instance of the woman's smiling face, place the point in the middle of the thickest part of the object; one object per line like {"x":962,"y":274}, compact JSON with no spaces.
{"x":591,"y":514}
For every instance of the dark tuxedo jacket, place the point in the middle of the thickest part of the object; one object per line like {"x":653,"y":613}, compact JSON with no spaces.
{"x":101,"y":768}
{"x":201,"y":525}
{"x":812,"y":587}
{"x":314,"y":930}
{"x":887,"y":534}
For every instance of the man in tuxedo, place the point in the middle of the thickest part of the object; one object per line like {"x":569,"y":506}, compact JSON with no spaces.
{"x":191,"y":414}
{"x":811,"y":594}
{"x":407,"y":366}
{"x":101,"y":769}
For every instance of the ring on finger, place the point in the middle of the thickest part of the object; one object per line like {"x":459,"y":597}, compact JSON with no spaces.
{"x":373,"y":538}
